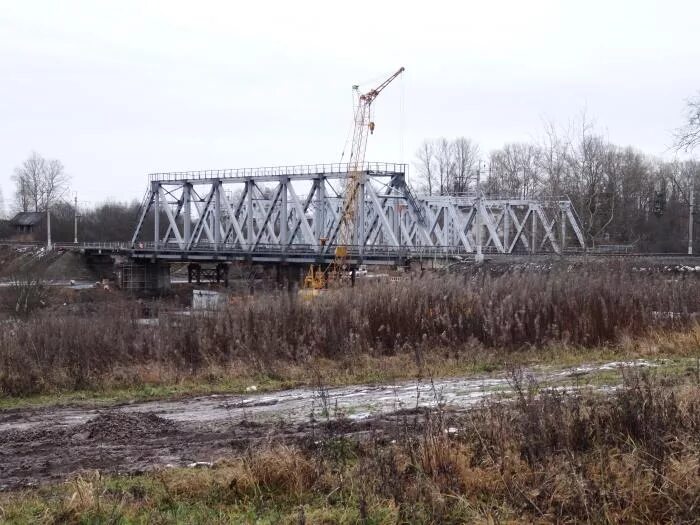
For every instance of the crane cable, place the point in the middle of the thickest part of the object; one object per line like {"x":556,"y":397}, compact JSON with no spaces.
{"x":350,"y":130}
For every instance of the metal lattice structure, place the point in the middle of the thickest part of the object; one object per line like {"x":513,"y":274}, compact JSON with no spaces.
{"x":294,"y":212}
{"x":508,"y":225}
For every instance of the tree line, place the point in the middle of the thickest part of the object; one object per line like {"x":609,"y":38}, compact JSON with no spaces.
{"x":41,"y":183}
{"x":621,"y":194}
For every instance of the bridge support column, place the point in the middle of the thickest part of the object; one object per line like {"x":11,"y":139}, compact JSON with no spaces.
{"x":145,"y":276}
{"x":288,"y":276}
{"x":222,"y":273}
{"x":294,"y":277}
{"x":194,"y":272}
{"x":278,"y":275}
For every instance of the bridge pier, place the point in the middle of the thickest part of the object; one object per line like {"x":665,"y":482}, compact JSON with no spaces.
{"x":145,"y":276}
{"x":194,"y":273}
{"x":288,"y":276}
{"x":222,"y":273}
{"x":101,"y":264}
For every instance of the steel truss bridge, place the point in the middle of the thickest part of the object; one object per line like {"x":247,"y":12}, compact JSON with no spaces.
{"x":292,"y":214}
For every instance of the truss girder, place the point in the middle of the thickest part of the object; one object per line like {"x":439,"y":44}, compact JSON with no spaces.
{"x":282,"y":212}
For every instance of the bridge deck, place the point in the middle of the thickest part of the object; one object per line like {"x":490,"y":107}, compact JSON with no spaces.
{"x":299,"y":254}
{"x":371,"y":255}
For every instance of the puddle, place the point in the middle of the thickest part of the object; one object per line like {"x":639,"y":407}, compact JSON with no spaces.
{"x":39,"y":445}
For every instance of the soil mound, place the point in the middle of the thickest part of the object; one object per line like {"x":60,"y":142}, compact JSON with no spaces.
{"x":118,"y":426}
{"x":68,"y":265}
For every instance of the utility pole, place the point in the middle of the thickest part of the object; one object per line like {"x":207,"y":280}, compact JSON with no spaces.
{"x":48,"y":228}
{"x":691,"y":213}
{"x":75,"y":220}
{"x":479,"y":258}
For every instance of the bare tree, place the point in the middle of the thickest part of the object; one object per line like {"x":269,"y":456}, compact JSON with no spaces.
{"x":2,"y":205}
{"x":27,"y":178}
{"x":688,"y":136}
{"x":682,"y":175}
{"x":630,"y":182}
{"x":425,"y":161}
{"x":38,"y":183}
{"x":466,"y":161}
{"x":619,"y":194}
{"x":445,"y":164}
{"x":515,"y":171}
{"x":54,"y":183}
{"x":553,"y":160}
{"x":590,"y":179}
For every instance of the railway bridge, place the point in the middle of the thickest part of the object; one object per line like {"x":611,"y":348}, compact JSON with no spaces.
{"x":291,"y":215}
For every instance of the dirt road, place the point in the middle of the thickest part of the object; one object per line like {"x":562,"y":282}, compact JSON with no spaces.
{"x":48,"y":444}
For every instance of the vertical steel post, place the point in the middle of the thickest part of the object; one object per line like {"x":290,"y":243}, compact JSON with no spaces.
{"x":448,"y":226}
{"x":48,"y":228}
{"x":155,"y":188}
{"x":479,"y":254}
{"x":249,"y":216}
{"x":562,"y":241}
{"x":395,"y":219}
{"x":284,"y":215}
{"x":506,"y":227}
{"x":691,"y":214}
{"x":75,"y":220}
{"x":360,"y":234}
{"x":187,"y":212}
{"x":217,"y":214}
{"x":320,"y":211}
{"x":533,"y":218}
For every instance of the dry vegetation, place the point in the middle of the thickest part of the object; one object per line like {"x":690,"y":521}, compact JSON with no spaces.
{"x":548,"y":456}
{"x":452,"y":318}
{"x":627,"y":455}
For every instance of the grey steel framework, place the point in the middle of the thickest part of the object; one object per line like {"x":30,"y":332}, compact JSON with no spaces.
{"x":293,"y":213}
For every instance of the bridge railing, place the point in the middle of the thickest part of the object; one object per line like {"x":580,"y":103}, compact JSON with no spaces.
{"x":107,"y":246}
{"x":279,"y":171}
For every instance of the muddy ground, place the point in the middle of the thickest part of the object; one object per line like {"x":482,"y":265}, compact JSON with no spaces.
{"x":40,"y":445}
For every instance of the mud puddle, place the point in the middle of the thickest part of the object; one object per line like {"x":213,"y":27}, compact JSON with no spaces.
{"x":48,"y":444}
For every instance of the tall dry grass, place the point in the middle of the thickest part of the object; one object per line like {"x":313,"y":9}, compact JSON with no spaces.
{"x":565,"y":457}
{"x":505,"y":313}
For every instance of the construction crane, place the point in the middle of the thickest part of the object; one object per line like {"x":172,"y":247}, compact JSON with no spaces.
{"x":363,"y":123}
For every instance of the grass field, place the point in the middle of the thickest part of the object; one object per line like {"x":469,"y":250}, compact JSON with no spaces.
{"x":546,"y":456}
{"x":626,"y":450}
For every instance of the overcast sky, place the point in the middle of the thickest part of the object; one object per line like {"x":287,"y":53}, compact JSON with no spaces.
{"x":117,"y":90}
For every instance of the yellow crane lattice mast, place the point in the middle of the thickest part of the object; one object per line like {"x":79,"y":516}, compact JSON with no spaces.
{"x":363,"y":125}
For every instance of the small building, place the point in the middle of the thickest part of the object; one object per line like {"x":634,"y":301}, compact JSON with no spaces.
{"x":28,"y":226}
{"x":6,"y":229}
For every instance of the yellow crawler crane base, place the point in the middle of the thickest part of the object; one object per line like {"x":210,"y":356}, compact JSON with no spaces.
{"x":314,"y":282}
